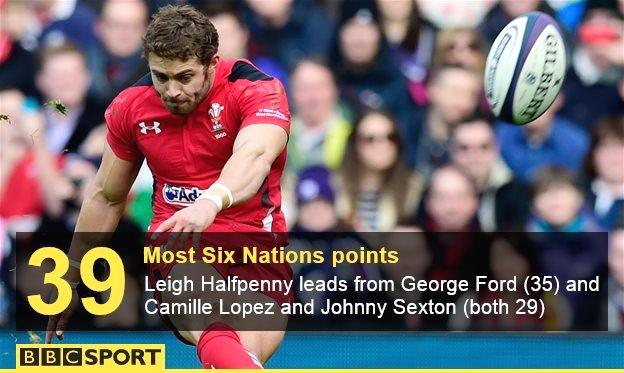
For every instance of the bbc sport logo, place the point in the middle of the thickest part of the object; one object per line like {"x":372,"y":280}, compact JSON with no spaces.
{"x":129,"y":356}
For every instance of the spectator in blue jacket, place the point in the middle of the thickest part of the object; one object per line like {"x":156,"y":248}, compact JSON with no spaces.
{"x":548,"y":140}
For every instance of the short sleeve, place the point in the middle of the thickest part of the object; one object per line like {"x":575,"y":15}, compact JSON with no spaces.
{"x":120,"y":137}
{"x":264,"y":102}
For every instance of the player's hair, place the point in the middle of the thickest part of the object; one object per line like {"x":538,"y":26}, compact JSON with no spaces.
{"x":50,"y":51}
{"x":181,"y":32}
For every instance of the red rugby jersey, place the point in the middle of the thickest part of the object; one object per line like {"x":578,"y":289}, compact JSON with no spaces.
{"x":186,"y":153}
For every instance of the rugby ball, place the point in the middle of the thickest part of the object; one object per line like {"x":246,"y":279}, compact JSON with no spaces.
{"x":525,"y":68}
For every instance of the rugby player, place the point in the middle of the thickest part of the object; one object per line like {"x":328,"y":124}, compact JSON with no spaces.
{"x":213,"y":133}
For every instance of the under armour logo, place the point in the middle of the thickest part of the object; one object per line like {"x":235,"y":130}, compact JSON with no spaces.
{"x":145,"y":128}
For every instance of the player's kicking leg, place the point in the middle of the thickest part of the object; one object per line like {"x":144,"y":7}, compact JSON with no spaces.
{"x":219,"y":343}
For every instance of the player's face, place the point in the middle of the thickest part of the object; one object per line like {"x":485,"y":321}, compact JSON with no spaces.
{"x":182,"y":85}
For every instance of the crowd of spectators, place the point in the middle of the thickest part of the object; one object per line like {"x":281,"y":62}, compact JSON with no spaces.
{"x":390,"y":127}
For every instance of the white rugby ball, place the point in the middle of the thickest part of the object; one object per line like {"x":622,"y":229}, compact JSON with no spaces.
{"x":525,"y":68}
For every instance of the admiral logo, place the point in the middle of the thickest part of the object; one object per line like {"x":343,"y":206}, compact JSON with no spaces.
{"x":180,"y":195}
{"x":155,"y":127}
{"x":98,"y":355}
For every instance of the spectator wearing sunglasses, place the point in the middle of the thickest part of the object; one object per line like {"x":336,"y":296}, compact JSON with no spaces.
{"x":474,"y":150}
{"x":376,"y":189}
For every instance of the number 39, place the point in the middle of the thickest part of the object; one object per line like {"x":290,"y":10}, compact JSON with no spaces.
{"x":115,"y":281}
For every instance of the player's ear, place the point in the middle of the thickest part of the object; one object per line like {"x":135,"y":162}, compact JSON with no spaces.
{"x":213,"y":62}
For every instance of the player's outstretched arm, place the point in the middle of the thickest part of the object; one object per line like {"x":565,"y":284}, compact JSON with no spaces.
{"x":255,"y":149}
{"x":101,"y":210}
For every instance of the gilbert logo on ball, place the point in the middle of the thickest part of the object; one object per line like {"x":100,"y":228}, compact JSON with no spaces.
{"x":525,"y":68}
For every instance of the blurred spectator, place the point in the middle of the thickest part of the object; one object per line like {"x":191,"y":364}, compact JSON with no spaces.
{"x":228,"y":22}
{"x":462,"y":47}
{"x":315,"y":200}
{"x":365,"y":70}
{"x":115,"y":61}
{"x":597,"y":66}
{"x":411,"y":245}
{"x":319,"y":128}
{"x":570,"y":12}
{"x":548,"y":140}
{"x":512,"y":258}
{"x":63,"y":76}
{"x":12,"y":144}
{"x":448,"y":14}
{"x":412,"y":40}
{"x":75,"y":174}
{"x":451,"y":202}
{"x":505,"y":11}
{"x":474,"y":149}
{"x":29,"y":186}
{"x":616,"y":284}
{"x":62,"y":21}
{"x":287,"y":30}
{"x":16,"y":63}
{"x":454,"y":94}
{"x":605,"y":171}
{"x":376,"y":189}
{"x":558,"y":203}
{"x":558,"y":207}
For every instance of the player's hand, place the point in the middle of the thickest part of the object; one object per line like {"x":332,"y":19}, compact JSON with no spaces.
{"x":58,"y":323}
{"x":193,"y":219}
